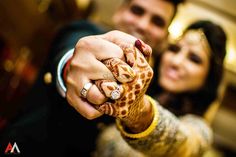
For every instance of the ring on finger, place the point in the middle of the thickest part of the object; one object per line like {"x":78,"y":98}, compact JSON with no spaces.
{"x":85,"y":89}
{"x":115,"y":94}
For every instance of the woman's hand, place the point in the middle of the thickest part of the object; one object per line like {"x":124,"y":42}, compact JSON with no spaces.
{"x":131,"y":107}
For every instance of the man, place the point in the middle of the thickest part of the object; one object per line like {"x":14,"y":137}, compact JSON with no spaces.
{"x":48,"y":125}
{"x":147,"y":20}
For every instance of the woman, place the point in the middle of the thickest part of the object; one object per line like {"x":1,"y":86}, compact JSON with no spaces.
{"x":208,"y":92}
{"x":189,"y":74}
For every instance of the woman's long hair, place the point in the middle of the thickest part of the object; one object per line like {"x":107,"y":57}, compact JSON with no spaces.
{"x":196,"y":102}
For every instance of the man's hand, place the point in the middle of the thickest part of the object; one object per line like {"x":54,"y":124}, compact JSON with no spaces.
{"x":86,"y":66}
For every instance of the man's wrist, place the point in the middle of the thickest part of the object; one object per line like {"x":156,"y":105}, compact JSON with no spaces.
{"x":59,"y":73}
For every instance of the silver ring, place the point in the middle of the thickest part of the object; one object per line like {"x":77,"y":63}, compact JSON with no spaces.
{"x":85,"y":89}
{"x":115,"y":94}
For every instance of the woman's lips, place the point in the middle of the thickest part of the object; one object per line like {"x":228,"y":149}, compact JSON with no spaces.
{"x":171,"y":73}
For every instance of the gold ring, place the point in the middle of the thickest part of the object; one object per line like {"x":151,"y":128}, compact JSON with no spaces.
{"x":85,"y":89}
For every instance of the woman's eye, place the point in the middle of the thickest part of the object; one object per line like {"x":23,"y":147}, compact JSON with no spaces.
{"x":137,"y":10}
{"x":195,"y":58}
{"x":174,"y":48}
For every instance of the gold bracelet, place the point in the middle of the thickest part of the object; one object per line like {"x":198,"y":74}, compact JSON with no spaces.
{"x":149,"y":129}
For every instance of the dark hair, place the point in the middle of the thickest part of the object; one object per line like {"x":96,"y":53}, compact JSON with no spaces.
{"x":216,"y":38}
{"x":199,"y":101}
{"x":174,"y":2}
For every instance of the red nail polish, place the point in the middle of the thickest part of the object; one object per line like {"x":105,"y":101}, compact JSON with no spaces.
{"x":139,"y":45}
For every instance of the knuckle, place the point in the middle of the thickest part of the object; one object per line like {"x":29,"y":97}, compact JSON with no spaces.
{"x":151,"y":71}
{"x":73,"y":64}
{"x":90,"y":116}
{"x":69,"y":81}
{"x":97,"y":98}
{"x":82,"y":43}
{"x":77,"y":64}
{"x":114,"y":32}
{"x":149,"y":50}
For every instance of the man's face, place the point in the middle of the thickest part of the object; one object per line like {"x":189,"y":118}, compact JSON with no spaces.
{"x":147,"y":20}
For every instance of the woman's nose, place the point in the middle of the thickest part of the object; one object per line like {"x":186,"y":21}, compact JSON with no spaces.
{"x":179,"y":58}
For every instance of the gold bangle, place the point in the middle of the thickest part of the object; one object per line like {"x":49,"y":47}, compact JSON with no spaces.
{"x":149,"y":129}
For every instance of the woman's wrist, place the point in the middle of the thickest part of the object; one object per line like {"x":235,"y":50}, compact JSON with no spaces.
{"x":137,"y":132}
{"x":143,"y":119}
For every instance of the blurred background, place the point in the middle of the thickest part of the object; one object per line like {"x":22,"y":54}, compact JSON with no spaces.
{"x":28,"y":26}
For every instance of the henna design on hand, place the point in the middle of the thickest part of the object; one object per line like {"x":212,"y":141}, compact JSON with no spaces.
{"x":132,"y":92}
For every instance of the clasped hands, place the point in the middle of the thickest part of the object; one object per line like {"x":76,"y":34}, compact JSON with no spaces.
{"x":109,"y":74}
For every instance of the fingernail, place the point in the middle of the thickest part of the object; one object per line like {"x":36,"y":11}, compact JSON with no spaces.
{"x":130,"y":62}
{"x":146,"y":50}
{"x":130,"y":59}
{"x":139,"y":45}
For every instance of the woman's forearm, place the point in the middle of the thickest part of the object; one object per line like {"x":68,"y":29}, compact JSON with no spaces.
{"x":187,"y":136}
{"x":142,"y":120}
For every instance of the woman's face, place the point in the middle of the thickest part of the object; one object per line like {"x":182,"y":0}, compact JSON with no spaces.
{"x":185,"y":65}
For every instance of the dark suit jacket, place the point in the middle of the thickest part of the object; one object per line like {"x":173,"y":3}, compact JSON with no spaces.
{"x":48,"y":125}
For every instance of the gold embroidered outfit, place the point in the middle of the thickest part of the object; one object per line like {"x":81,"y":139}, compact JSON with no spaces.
{"x":187,"y":136}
